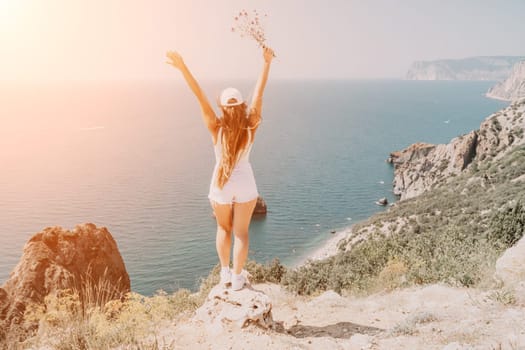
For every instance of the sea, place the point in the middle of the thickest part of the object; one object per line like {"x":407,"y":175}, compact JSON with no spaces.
{"x":135,"y":157}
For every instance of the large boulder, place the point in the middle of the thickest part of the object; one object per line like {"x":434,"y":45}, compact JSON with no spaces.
{"x":225,"y":309}
{"x":83,"y":259}
{"x":510,"y":267}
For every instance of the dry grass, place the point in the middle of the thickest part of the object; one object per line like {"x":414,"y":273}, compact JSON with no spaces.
{"x":504,"y":296}
{"x":409,"y":326}
{"x":94,"y":317}
{"x":91,"y":318}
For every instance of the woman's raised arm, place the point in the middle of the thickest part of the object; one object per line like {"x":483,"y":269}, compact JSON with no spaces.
{"x":256,"y":105}
{"x":208,"y":115}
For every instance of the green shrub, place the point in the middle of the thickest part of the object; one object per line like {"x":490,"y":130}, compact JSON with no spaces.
{"x":452,"y":255}
{"x":64,"y":323}
{"x":455,"y":256}
{"x":496,"y":124}
{"x":507,"y":226}
{"x":271,"y":272}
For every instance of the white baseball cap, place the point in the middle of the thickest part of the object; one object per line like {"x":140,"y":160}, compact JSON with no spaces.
{"x":228,"y":94}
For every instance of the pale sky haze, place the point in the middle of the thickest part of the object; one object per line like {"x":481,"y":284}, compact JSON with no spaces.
{"x":117,"y":39}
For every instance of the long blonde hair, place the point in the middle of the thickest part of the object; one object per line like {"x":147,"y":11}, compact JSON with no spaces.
{"x":234,"y":139}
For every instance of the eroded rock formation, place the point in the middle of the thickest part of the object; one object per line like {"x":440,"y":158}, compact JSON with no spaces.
{"x":228,"y":309}
{"x":421,"y":166}
{"x":55,"y":259}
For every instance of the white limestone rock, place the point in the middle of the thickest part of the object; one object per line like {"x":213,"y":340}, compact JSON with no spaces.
{"x":510,"y":267}
{"x":513,"y":87}
{"x":226,"y":308}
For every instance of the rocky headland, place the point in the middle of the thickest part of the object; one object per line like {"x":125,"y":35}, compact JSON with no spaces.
{"x":513,"y":87}
{"x":421,"y":166}
{"x":472,"y":68}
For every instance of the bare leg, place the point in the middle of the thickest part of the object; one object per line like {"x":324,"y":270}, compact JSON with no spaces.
{"x":223,"y":241}
{"x":242,"y":214}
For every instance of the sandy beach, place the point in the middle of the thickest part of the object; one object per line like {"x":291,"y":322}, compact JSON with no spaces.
{"x":328,"y":248}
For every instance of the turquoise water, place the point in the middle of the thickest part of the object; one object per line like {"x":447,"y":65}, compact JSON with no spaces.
{"x":136,"y":158}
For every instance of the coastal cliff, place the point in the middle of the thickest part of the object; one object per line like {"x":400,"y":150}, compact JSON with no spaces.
{"x":512,"y":88}
{"x":422,"y":166}
{"x":471,"y":68}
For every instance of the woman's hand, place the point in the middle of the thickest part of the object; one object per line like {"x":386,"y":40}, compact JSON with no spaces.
{"x":268,"y":54}
{"x":175,"y":59}
{"x":208,"y":115}
{"x":256,"y":105}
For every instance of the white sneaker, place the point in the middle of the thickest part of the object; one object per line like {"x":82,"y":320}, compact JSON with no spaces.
{"x":226,"y":277}
{"x":238,"y":281}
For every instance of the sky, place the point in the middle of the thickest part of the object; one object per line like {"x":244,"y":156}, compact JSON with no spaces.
{"x":331,"y":39}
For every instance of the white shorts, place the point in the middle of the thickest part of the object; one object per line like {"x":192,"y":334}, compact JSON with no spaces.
{"x":239,"y":188}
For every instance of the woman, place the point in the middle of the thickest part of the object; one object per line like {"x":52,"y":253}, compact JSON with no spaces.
{"x":233,"y":192}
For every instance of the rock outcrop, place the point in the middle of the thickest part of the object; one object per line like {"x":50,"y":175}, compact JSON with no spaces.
{"x":260,"y":207}
{"x":421,"y":166}
{"x":512,"y":88}
{"x":510,"y":267}
{"x":228,"y":309}
{"x":471,"y":68}
{"x":83,"y":259}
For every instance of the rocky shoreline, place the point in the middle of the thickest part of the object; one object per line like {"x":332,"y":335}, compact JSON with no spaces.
{"x":421,"y":166}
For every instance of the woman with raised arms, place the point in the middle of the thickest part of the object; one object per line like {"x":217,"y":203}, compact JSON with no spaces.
{"x":233,"y":191}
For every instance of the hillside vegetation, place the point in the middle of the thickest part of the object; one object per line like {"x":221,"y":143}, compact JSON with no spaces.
{"x":453,"y":234}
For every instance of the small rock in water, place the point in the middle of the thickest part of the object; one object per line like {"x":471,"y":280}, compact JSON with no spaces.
{"x":333,"y":231}
{"x":260,"y":207}
{"x":382,"y":201}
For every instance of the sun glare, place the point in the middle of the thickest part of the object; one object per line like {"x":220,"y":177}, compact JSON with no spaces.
{"x":8,"y":9}
{"x":4,"y":11}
